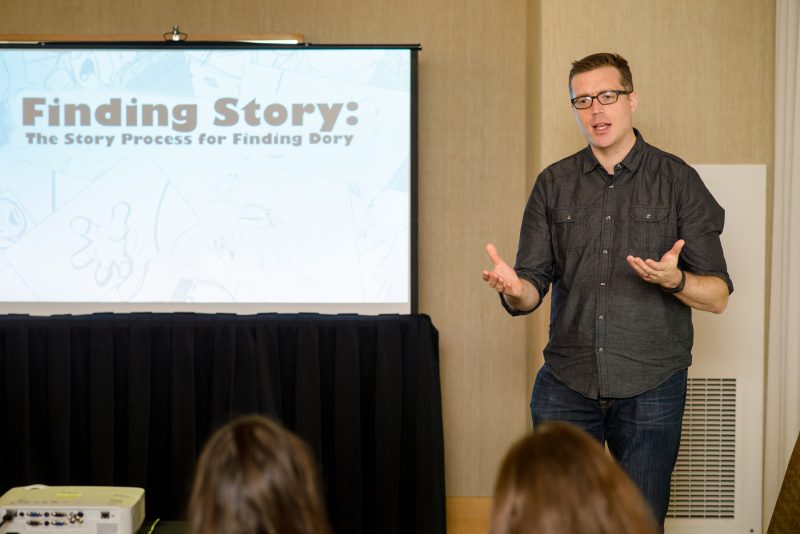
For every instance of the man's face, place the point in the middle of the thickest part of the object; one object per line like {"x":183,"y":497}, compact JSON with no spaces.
{"x":606,"y":127}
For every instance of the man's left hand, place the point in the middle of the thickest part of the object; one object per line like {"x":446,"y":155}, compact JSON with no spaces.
{"x":665,"y":272}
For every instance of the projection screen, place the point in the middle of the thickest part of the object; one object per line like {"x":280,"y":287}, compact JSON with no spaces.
{"x":207,"y":177}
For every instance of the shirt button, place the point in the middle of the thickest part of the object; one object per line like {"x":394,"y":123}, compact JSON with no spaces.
{"x":605,"y":251}
{"x":600,"y":349}
{"x":602,"y":283}
{"x":608,"y":217}
{"x":611,"y":186}
{"x":602,"y":317}
{"x":618,"y":166}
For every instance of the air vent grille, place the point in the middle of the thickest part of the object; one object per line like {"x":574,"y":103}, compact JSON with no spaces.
{"x":703,"y":482}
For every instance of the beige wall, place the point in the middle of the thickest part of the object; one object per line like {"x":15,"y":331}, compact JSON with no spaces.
{"x":493,"y":111}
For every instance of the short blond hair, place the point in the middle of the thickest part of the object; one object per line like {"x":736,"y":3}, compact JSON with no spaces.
{"x":603,"y":59}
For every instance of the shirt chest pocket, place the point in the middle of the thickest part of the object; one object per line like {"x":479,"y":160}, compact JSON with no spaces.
{"x":649,"y":231}
{"x":569,"y":229}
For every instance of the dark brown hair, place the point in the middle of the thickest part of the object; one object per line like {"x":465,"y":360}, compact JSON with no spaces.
{"x":255,"y":477}
{"x":559,"y":480}
{"x":603,"y":59}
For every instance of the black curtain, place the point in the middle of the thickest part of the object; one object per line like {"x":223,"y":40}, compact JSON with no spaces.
{"x":129,"y":400}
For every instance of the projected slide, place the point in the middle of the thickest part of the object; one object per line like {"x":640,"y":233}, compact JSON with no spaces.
{"x":205,"y":175}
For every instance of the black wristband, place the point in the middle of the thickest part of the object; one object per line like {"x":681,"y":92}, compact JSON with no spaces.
{"x":680,"y":286}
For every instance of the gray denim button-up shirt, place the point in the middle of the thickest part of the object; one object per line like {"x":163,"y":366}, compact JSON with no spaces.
{"x":611,"y":333}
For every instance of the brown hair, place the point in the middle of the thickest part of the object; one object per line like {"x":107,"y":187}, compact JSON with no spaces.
{"x":559,"y":480}
{"x":603,"y":59}
{"x":255,"y":477}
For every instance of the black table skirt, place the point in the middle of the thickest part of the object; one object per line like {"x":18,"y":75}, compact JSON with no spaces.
{"x":129,"y":400}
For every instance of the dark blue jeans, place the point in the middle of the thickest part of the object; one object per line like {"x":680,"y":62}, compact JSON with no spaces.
{"x":643,"y":432}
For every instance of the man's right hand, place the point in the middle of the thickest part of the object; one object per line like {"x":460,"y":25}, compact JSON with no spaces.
{"x":502,"y":277}
{"x":517,"y":292}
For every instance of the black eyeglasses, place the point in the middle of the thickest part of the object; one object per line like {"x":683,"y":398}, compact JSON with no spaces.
{"x":605,"y":98}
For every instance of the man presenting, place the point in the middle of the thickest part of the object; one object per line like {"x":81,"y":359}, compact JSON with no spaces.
{"x":628,"y":236}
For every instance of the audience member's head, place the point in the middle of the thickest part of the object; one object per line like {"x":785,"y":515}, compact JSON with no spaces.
{"x":256,"y":477}
{"x":559,"y":480}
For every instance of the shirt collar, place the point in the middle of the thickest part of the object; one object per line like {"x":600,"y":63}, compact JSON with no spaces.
{"x":631,"y":161}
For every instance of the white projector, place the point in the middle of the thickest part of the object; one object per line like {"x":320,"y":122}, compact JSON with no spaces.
{"x":72,"y":510}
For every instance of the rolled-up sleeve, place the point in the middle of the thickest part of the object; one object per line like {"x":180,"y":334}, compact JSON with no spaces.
{"x":700,"y":223}
{"x":534,"y":261}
